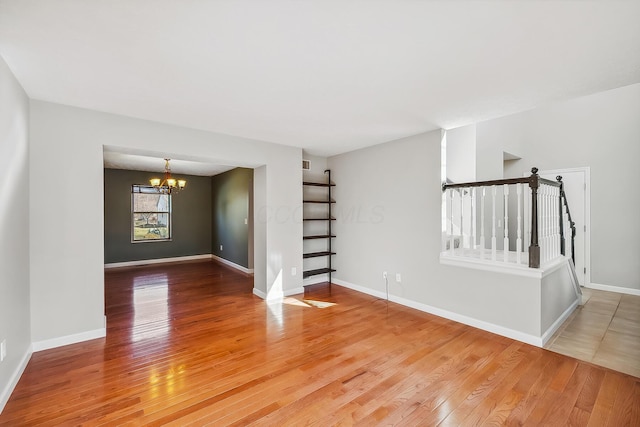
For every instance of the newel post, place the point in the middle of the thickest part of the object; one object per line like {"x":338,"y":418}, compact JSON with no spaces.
{"x":534,"y":248}
{"x":561,"y":217}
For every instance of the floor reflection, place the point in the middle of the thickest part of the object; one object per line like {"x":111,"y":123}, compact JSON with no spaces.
{"x":151,"y":307}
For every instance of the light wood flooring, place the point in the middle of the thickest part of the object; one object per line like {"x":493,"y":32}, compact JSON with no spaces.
{"x":605,"y":330}
{"x":189,"y":344}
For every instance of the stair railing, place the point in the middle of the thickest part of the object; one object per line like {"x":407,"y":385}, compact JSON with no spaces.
{"x":546,"y":207}
{"x":567,"y":223}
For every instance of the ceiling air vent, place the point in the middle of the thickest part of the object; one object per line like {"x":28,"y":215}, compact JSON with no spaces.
{"x":306,"y":165}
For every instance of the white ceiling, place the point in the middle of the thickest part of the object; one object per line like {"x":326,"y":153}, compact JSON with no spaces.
{"x":327,"y":76}
{"x":119,"y":160}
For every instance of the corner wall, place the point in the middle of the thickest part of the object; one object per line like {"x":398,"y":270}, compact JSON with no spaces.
{"x":231,"y":222}
{"x":601,"y":131}
{"x":14,"y":231}
{"x":67,"y":259}
{"x":388,"y":219}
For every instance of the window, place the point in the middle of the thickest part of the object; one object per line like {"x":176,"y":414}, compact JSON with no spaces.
{"x":150,"y":214}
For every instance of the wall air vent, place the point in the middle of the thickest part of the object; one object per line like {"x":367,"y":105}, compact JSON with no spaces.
{"x":306,"y":165}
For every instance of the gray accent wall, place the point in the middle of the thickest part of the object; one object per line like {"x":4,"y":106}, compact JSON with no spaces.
{"x":232,"y":221}
{"x":15,"y":312}
{"x":191,"y":218}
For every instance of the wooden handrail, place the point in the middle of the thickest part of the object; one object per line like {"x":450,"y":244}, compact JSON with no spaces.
{"x":508,"y":181}
{"x":564,"y":201}
{"x":534,"y":181}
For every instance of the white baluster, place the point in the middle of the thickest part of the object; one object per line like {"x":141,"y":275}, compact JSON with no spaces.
{"x":545,"y":222}
{"x":482,"y":241}
{"x":540,"y":223}
{"x":451,"y":238}
{"x":474,"y":225}
{"x":462,"y":237}
{"x":556,"y":223}
{"x":519,"y":232}
{"x":552,"y":223}
{"x":493,"y":222}
{"x":526,"y":218}
{"x":505,"y":244}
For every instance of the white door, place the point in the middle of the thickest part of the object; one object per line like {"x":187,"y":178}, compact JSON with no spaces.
{"x":576,"y":184}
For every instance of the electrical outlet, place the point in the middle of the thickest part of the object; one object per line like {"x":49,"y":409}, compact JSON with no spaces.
{"x":246,"y":221}
{"x":398,"y":277}
{"x":220,"y":247}
{"x":3,"y":350}
{"x":294,"y":271}
{"x":384,"y":274}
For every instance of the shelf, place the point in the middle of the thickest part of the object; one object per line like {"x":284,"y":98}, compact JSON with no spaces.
{"x":317,"y":254}
{"x":321,"y":212}
{"x":310,"y":273}
{"x":318,"y":184}
{"x":319,"y":236}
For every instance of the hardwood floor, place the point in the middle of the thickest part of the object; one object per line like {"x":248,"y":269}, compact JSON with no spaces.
{"x":188,"y":344}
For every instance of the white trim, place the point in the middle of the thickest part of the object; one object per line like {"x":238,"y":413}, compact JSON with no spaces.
{"x":232,"y":264}
{"x":314,"y":280}
{"x":559,"y":321}
{"x":257,"y":292}
{"x":157,"y":261}
{"x":609,"y":288}
{"x":69,"y":339}
{"x":5,"y":394}
{"x":502,"y":267}
{"x":294,"y":291}
{"x":480,"y":324}
{"x":279,"y":298}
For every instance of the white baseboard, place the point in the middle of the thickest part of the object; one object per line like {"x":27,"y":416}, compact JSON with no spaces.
{"x":294,"y":291}
{"x":6,"y":391}
{"x":556,"y":325}
{"x":69,"y":339}
{"x":314,"y":280}
{"x":259,"y":293}
{"x":287,"y":293}
{"x":480,"y":324}
{"x":156,"y":261}
{"x":609,"y":288}
{"x":232,"y":264}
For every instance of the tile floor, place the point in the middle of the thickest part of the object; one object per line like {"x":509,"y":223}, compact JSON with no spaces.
{"x":605,"y":331}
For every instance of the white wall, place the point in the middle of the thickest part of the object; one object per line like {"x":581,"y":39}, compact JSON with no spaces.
{"x":66,"y":211}
{"x":388,"y":214}
{"x":461,"y":154}
{"x":601,"y":131}
{"x":14,"y":229}
{"x":388,"y":210}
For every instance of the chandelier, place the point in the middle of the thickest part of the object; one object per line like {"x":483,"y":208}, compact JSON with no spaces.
{"x":169,"y":184}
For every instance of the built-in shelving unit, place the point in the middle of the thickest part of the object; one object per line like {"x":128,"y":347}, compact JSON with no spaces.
{"x":319,"y":219}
